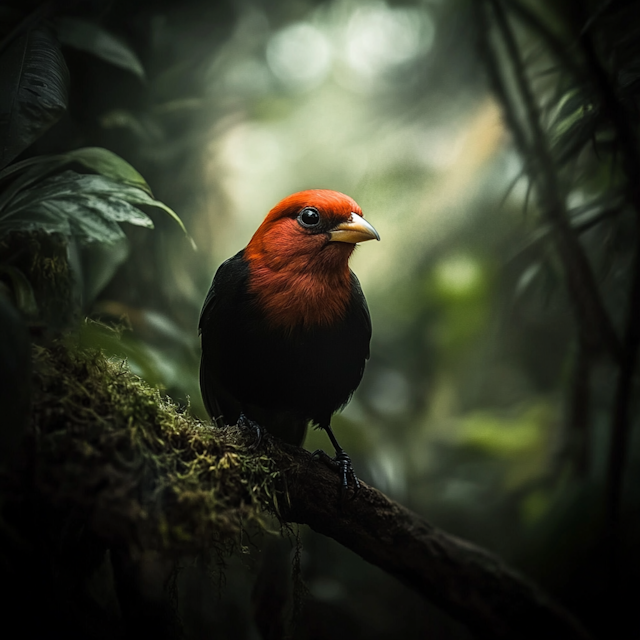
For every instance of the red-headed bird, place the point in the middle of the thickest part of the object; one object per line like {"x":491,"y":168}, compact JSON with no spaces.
{"x":285,"y":327}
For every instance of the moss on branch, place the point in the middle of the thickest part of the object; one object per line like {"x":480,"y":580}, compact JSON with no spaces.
{"x":142,"y":470}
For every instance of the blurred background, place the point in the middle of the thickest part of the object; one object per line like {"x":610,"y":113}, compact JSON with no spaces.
{"x":461,"y":128}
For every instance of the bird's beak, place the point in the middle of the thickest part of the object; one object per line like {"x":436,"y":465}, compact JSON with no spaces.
{"x":354,"y":230}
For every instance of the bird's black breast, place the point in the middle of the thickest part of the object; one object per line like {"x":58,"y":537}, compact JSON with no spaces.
{"x":271,"y":374}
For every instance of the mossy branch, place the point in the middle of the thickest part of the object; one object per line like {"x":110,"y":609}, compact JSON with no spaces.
{"x":143,"y":473}
{"x":123,"y":462}
{"x":468,"y":582}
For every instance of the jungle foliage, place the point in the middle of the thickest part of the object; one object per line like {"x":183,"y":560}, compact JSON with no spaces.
{"x":501,"y":397}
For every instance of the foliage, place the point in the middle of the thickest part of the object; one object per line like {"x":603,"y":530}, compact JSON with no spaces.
{"x":502,"y":316}
{"x":35,"y":81}
{"x":572,"y":111}
{"x":580,"y":139}
{"x":91,"y":37}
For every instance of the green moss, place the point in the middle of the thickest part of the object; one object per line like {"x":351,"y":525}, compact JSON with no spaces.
{"x":140,"y":469}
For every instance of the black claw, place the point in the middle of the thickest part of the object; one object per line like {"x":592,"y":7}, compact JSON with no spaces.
{"x":247,"y":423}
{"x":343,"y":462}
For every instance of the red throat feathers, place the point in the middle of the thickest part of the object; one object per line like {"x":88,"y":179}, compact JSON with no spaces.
{"x":301,"y":277}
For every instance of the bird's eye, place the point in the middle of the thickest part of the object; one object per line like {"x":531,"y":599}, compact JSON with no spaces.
{"x":309,"y":217}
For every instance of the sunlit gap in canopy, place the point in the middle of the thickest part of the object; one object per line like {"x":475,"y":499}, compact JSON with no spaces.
{"x":360,"y":42}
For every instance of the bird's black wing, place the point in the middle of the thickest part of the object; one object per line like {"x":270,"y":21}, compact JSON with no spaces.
{"x":230,"y":278}
{"x":362,"y":312}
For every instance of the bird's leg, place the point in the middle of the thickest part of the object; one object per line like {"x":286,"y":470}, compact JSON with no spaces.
{"x":343,"y":461}
{"x":248,"y":423}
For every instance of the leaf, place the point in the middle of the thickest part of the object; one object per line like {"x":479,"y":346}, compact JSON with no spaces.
{"x":68,"y":217}
{"x":85,"y":206}
{"x":598,"y":209}
{"x":29,"y":176}
{"x":100,"y":160}
{"x":33,"y":96}
{"x":92,"y":38}
{"x":133,"y":195}
{"x":71,"y":183}
{"x":108,"y":164}
{"x":141,"y":198}
{"x":113,"y":196}
{"x":23,"y":295}
{"x":527,"y":278}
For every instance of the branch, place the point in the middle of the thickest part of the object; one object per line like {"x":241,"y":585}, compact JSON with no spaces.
{"x":471,"y":584}
{"x":111,"y":458}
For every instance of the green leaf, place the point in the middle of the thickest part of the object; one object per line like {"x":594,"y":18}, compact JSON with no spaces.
{"x":68,"y":217}
{"x":72,"y":184}
{"x":28,"y":177}
{"x":97,"y":159}
{"x":25,"y":300}
{"x":108,"y":164}
{"x":43,"y":163}
{"x":92,"y":38}
{"x":527,"y":278}
{"x":141,"y":198}
{"x":111,"y":195}
{"x":34,"y":80}
{"x":133,"y":195}
{"x":85,"y":206}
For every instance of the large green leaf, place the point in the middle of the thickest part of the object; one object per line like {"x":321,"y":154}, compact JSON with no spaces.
{"x":92,"y":38}
{"x":33,"y":90}
{"x":108,"y":164}
{"x":88,"y":207}
{"x":23,"y":296}
{"x":66,"y":217}
{"x":97,"y":159}
{"x":70,"y":184}
{"x":111,"y":194}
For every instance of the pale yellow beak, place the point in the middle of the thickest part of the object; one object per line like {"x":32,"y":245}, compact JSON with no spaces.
{"x":354,"y":230}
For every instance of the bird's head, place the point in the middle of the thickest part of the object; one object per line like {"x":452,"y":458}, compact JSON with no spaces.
{"x":299,"y":255}
{"x":314,"y":229}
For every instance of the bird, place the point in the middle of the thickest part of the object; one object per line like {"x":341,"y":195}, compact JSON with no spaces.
{"x":285,"y":328}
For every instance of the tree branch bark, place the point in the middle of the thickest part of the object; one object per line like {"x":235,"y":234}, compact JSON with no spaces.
{"x":471,"y":584}
{"x":110,"y":459}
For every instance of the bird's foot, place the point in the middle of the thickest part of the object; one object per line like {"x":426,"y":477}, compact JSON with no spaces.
{"x":248,"y":423}
{"x":343,"y":462}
